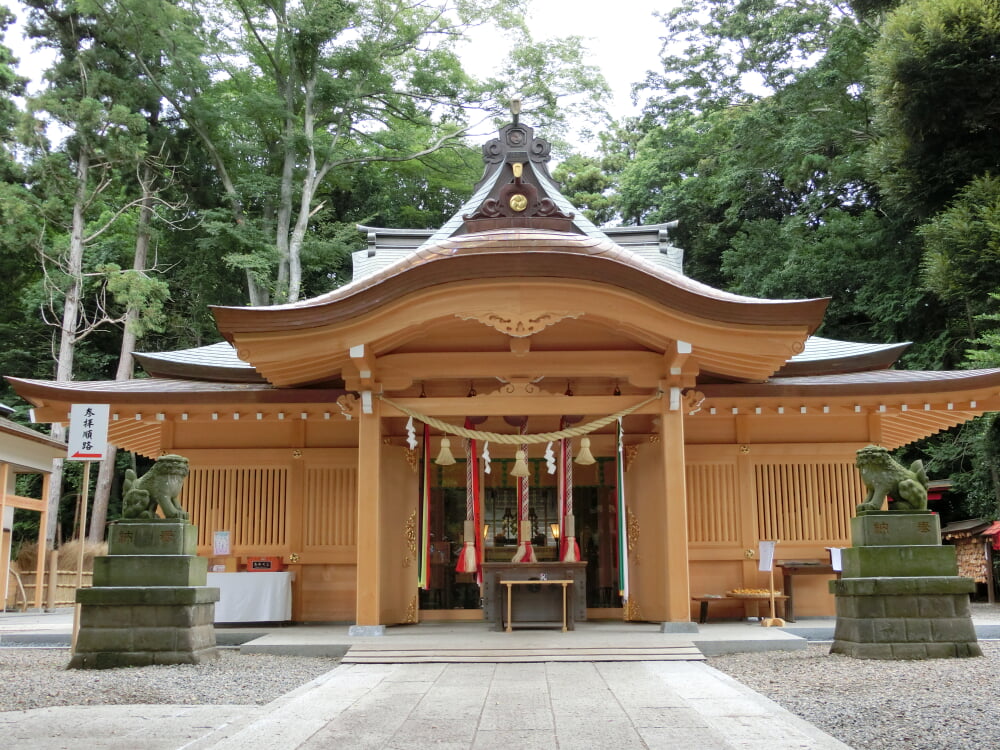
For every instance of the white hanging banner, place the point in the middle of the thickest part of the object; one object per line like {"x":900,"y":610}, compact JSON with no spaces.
{"x":766,"y":556}
{"x":835,"y":559}
{"x":88,"y":432}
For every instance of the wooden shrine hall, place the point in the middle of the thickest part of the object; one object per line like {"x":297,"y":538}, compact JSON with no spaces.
{"x":523,"y":322}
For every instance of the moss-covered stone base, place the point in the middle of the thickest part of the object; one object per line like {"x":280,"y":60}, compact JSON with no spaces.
{"x":904,"y":618}
{"x":139,"y":626}
{"x":898,"y":561}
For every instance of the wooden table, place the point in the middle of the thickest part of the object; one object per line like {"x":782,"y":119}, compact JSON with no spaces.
{"x":545,"y":603}
{"x":253,"y":597}
{"x":564,"y":582}
{"x":792,"y":568}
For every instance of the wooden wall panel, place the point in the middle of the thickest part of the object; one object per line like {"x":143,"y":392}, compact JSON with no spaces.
{"x":398,"y":498}
{"x":250,"y":503}
{"x":326,"y":593}
{"x":804,"y":501}
{"x":713,"y":511}
{"x":330,"y":507}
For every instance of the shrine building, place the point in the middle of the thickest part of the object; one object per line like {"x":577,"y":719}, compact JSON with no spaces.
{"x":520,"y":320}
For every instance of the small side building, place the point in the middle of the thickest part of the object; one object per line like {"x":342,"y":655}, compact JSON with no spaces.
{"x":23,"y":451}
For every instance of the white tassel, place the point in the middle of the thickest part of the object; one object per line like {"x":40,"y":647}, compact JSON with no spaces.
{"x":445,"y":458}
{"x":486,"y":457}
{"x":520,"y":465}
{"x":585,"y":457}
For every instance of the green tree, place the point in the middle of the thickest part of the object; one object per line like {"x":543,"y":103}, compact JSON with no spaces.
{"x":26,"y":345}
{"x":587,"y":183}
{"x":93,"y":95}
{"x":285,"y":96}
{"x":937,"y":72}
{"x":770,"y":184}
{"x":961,"y":262}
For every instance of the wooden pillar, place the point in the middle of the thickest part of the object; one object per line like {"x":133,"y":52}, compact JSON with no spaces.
{"x":370,"y":541}
{"x":746,"y":486}
{"x":43,"y":524}
{"x":676,"y":577}
{"x":4,"y":543}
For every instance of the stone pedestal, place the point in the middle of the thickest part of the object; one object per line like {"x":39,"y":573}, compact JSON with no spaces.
{"x":900,"y":596}
{"x":904,"y":618}
{"x":149,"y":603}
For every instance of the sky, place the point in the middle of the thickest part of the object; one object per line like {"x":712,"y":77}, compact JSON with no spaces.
{"x":623,"y":37}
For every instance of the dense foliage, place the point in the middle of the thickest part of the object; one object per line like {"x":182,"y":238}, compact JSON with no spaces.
{"x":810,"y":148}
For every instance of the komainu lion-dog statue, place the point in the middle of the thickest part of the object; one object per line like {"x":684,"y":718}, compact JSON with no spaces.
{"x":158,"y":487}
{"x":885,"y":478}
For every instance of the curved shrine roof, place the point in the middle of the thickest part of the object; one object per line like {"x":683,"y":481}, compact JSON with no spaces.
{"x":822,"y":356}
{"x":519,"y":227}
{"x":508,"y":254}
{"x":874,"y":383}
{"x":215,"y":362}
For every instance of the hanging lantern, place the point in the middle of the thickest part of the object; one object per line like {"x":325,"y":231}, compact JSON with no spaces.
{"x":585,"y":457}
{"x":520,"y":465}
{"x":444,"y":457}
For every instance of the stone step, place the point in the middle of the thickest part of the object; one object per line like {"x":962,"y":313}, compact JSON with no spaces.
{"x":369,"y":654}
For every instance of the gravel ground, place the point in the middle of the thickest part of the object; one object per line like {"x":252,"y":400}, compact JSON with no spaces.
{"x":877,"y":705}
{"x":37,"y":677}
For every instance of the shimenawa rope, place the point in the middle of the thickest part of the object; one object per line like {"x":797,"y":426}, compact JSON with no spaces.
{"x":504,"y":439}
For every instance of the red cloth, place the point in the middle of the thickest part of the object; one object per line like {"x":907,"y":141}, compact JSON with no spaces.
{"x":994,"y":531}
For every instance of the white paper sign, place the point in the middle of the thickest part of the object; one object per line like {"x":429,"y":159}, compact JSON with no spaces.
{"x":88,"y":432}
{"x":766,"y":555}
{"x":220,"y":543}
{"x":835,"y":560}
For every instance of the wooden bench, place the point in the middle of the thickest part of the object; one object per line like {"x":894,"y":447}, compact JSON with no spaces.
{"x":704,"y":599}
{"x":752,"y":605}
{"x":749,"y":611}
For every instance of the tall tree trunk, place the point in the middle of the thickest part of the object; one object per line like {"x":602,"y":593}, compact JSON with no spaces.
{"x":69,"y":329}
{"x":282,"y":291}
{"x":105,"y":477}
{"x":310,"y":180}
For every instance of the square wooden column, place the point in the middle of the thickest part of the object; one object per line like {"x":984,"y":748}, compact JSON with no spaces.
{"x":370,"y":537}
{"x":674,"y":570}
{"x":5,"y":541}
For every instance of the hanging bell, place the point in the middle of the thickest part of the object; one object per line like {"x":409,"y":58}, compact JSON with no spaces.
{"x":520,"y":465}
{"x":444,"y":457}
{"x":585,"y":457}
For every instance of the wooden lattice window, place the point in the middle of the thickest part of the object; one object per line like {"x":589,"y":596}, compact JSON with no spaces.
{"x":806,"y":501}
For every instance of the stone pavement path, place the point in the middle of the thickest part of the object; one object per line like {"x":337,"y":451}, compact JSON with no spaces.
{"x":569,"y":706}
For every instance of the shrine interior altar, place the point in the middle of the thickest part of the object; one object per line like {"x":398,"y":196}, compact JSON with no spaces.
{"x":534,"y":606}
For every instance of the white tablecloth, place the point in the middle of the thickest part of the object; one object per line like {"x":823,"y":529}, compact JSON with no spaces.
{"x":252,"y":597}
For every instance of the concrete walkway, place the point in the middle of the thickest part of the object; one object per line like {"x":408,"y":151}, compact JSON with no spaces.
{"x":555,"y":705}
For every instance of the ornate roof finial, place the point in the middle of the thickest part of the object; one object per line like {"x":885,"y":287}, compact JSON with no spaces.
{"x":515,"y":108}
